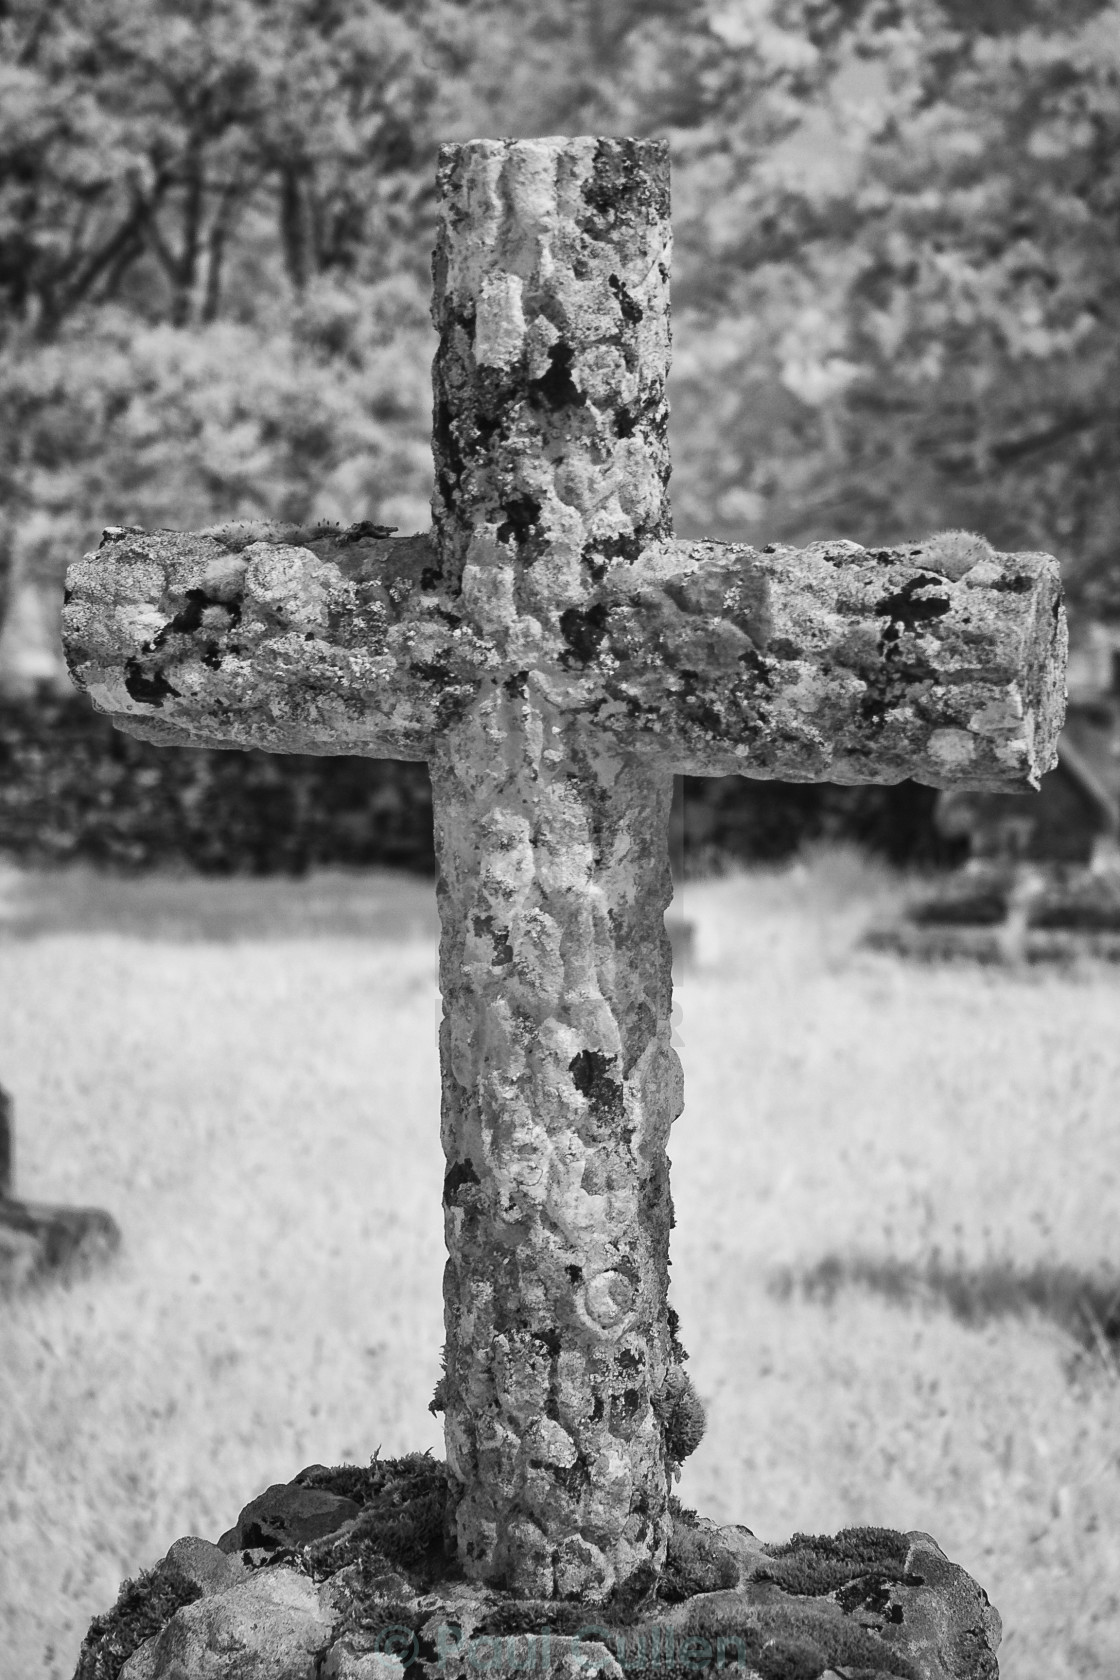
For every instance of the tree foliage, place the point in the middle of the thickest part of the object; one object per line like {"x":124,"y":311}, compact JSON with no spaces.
{"x":895,"y":280}
{"x":910,"y":304}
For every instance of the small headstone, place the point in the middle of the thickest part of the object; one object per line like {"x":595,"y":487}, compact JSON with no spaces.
{"x":37,"y":1239}
{"x":1001,"y":911}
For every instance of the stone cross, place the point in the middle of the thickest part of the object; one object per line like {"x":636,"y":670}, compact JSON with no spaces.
{"x":555,"y":657}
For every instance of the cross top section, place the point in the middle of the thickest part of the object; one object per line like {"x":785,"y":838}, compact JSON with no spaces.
{"x":552,"y":304}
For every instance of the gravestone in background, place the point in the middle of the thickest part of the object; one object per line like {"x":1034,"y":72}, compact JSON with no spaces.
{"x":1042,"y":881}
{"x":39,"y":1240}
{"x":556,"y":657}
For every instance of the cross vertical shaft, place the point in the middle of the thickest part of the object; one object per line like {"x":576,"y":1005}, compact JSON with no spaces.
{"x":559,"y":1082}
{"x":559,"y":1088}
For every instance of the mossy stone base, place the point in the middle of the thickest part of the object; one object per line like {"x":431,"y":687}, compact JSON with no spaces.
{"x":350,"y":1574}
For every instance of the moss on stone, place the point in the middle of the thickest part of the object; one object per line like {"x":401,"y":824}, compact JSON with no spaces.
{"x":783,"y":1641}
{"x":685,"y":1418}
{"x":800,"y":1627}
{"x":405,"y":1510}
{"x":143,"y":1608}
{"x":696,"y":1560}
{"x":797,"y":1629}
{"x":815,"y":1564}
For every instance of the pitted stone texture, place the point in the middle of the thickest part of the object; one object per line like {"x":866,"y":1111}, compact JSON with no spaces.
{"x":833,"y":662}
{"x":559,"y":1088}
{"x":289,"y":638}
{"x":552,"y":303}
{"x":828,"y":663}
{"x":269,"y":1627}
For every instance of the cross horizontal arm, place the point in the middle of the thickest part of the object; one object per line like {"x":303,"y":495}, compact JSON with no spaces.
{"x":294,"y":639}
{"x":830,"y":663}
{"x":834,"y":662}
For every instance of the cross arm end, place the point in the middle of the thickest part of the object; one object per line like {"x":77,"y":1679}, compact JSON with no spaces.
{"x":940,"y":661}
{"x":288,"y":638}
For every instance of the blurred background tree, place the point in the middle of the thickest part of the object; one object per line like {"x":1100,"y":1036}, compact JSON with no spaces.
{"x":895,"y":280}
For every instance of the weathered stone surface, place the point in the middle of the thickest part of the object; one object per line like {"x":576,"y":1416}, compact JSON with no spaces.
{"x":288,"y":1514}
{"x":555,"y":656}
{"x":946,"y":1618}
{"x":269,"y":1627}
{"x":866,"y":1602}
{"x":923,"y":1608}
{"x":832,"y":663}
{"x":204,"y":1564}
{"x":559,"y":1089}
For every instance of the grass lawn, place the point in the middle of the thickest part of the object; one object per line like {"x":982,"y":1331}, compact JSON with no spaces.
{"x":896,"y":1193}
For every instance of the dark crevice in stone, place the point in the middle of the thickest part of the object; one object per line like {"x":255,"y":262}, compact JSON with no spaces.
{"x":624,"y":545}
{"x":583,"y":630}
{"x":754,"y":662}
{"x":521,"y":516}
{"x":904,"y":608}
{"x":463,"y":1172}
{"x":589,"y":1071}
{"x":556,"y":389}
{"x":446,"y":447}
{"x":631,"y":312}
{"x":435,"y":671}
{"x":1021,"y":584}
{"x":150,"y":690}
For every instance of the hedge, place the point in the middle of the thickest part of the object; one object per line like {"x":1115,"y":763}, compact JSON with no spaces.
{"x":73,"y":789}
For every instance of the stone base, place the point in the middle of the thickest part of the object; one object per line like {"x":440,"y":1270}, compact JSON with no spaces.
{"x":348,"y":1574}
